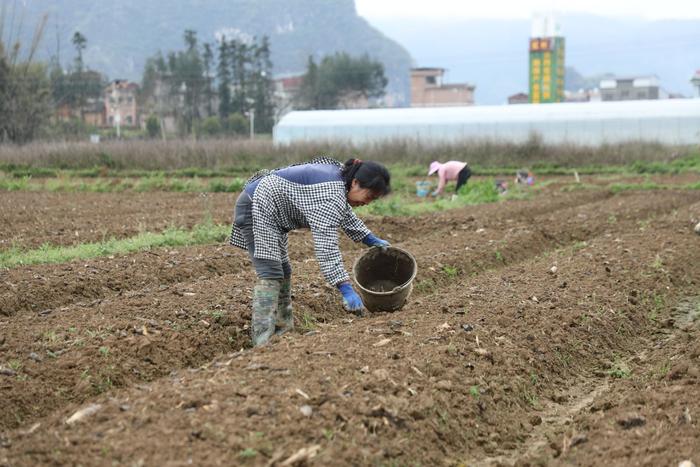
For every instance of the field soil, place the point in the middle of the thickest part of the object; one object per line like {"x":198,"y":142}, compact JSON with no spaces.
{"x":31,"y":219}
{"x":559,"y":330}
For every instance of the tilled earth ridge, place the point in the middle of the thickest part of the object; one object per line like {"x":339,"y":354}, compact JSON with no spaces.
{"x":657,"y":405}
{"x":185,"y":329}
{"x":641,"y":406}
{"x":149,"y":331}
{"x":30,"y":219}
{"x":432,"y":393}
{"x":57,"y":285}
{"x":51,"y":285}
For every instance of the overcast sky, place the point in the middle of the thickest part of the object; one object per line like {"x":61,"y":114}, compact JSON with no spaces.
{"x":523,"y":9}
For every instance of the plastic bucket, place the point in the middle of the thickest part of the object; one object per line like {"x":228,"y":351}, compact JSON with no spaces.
{"x":423,"y":188}
{"x":384,"y":278}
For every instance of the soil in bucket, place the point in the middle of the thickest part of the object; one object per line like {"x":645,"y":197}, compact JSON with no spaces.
{"x":384,"y":278}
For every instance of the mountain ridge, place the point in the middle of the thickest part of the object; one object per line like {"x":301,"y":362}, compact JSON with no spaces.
{"x":491,"y":54}
{"x":121,"y":36}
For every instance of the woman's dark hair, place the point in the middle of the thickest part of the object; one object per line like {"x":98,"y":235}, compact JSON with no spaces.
{"x":371,"y":175}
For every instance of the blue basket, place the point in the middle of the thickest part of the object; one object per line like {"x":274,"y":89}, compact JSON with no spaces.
{"x":423,"y":188}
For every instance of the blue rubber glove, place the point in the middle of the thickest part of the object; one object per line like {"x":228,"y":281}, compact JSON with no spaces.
{"x":371,"y":240}
{"x":351,"y":301}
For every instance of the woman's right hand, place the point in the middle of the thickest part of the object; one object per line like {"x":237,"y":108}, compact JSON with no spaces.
{"x":351,"y":301}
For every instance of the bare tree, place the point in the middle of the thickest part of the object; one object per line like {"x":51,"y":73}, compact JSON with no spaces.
{"x":24,"y":85}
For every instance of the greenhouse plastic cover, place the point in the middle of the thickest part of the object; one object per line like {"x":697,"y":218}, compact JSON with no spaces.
{"x":670,"y":121}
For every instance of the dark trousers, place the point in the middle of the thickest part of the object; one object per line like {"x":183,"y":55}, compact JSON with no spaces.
{"x":462,"y":177}
{"x":264,"y":268}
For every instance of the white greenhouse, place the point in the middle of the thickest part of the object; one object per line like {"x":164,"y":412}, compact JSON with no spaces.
{"x":670,"y":121}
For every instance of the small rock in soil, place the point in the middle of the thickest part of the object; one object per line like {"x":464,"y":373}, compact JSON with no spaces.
{"x":678,"y":371}
{"x":697,"y":228}
{"x":578,"y":439}
{"x":83,"y":413}
{"x":302,"y":455}
{"x":444,"y":385}
{"x":535,"y":420}
{"x":306,"y":410}
{"x":7,"y":372}
{"x":631,"y":421}
{"x":686,"y":463}
{"x":685,"y":417}
{"x":34,"y":356}
{"x":468,"y":327}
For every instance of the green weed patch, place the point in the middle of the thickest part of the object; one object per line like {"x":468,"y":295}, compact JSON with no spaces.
{"x":199,"y":235}
{"x":154,"y":182}
{"x":407,"y":204}
{"x":651,"y":186}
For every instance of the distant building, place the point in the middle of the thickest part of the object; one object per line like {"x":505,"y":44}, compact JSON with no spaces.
{"x":77,"y":104}
{"x":583,"y":95}
{"x":65,"y":112}
{"x":519,"y":98}
{"x":546,"y":61}
{"x":428,"y":90}
{"x":675,"y":95}
{"x":286,"y":92}
{"x":286,"y":88}
{"x":695,"y":81}
{"x":94,"y":112}
{"x":120,"y":103}
{"x":630,"y":88}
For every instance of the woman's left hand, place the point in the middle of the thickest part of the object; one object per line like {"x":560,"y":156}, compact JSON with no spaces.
{"x":371,"y":240}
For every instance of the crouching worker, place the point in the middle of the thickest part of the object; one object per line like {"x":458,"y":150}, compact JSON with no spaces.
{"x":451,"y":170}
{"x":318,"y":195}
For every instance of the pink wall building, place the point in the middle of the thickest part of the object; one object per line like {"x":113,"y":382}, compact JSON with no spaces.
{"x":120,"y":103}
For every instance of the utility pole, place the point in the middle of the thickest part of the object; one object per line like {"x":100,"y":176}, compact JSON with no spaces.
{"x":251,"y":115}
{"x":118,"y":121}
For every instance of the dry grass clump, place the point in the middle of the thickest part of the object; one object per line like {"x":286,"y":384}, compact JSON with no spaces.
{"x":249,"y":155}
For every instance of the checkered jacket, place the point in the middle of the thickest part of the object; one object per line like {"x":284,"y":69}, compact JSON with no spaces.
{"x":280,"y":206}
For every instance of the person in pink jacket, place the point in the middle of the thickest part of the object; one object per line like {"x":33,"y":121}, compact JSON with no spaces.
{"x":451,"y":170}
